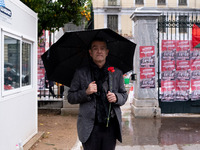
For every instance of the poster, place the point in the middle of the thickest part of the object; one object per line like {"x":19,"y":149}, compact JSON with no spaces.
{"x":147,"y":67}
{"x":147,"y":56}
{"x":168,"y":65}
{"x":195,"y":64}
{"x":168,"y":91}
{"x":147,"y":77}
{"x":168,"y":45}
{"x":182,"y":90}
{"x":195,"y":87}
{"x":182,"y":65}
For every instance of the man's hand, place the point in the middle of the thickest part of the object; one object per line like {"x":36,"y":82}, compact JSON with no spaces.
{"x":92,"y":88}
{"x":111,"y":97}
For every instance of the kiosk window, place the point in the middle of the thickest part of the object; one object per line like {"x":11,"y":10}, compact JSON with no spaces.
{"x":17,"y":63}
{"x":26,"y":64}
{"x":11,"y":63}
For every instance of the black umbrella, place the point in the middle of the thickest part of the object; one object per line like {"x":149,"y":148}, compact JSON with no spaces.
{"x":71,"y":51}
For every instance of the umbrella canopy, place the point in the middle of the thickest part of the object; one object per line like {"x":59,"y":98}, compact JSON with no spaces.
{"x":71,"y":52}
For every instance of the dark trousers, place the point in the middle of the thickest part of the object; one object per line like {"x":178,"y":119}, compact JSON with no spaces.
{"x":101,"y":138}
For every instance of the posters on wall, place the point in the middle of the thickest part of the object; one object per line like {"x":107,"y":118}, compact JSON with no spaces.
{"x":147,"y":67}
{"x":180,"y":71}
{"x":41,"y":69}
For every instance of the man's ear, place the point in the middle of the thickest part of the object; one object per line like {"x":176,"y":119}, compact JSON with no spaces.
{"x":107,"y":52}
{"x":90,"y":52}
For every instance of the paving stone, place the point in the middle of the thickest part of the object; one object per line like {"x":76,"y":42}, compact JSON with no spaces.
{"x":190,"y":147}
{"x":170,"y":147}
{"x":128,"y":148}
{"x":152,"y":147}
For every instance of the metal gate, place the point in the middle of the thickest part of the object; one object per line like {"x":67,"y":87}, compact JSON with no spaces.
{"x":174,"y":29}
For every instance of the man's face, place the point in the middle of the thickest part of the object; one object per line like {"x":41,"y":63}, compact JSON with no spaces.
{"x":98,"y":51}
{"x":8,"y":68}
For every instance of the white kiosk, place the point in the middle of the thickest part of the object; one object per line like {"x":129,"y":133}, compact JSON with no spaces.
{"x":18,"y":71}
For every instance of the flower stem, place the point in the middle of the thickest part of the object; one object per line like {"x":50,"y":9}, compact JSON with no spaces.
{"x":110,"y":85}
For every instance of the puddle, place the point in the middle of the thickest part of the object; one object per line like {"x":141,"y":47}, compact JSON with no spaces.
{"x":160,"y":131}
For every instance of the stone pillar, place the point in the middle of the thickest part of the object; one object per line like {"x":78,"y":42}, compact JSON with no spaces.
{"x":69,"y":109}
{"x":145,"y":102}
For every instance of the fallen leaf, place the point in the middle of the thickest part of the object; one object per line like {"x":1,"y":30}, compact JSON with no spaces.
{"x":50,"y":144}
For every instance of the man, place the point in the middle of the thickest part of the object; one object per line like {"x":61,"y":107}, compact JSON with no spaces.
{"x":50,"y":84}
{"x":8,"y":76}
{"x":90,"y":89}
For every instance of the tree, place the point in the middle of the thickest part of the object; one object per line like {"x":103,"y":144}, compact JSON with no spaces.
{"x":54,"y":14}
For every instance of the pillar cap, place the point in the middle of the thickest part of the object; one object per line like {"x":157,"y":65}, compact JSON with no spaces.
{"x":145,"y":12}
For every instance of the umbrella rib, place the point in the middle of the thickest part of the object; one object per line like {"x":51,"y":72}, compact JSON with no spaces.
{"x":81,"y":40}
{"x":85,"y":44}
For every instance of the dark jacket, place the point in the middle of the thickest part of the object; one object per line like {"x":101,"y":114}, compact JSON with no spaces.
{"x":87,"y":107}
{"x":6,"y":76}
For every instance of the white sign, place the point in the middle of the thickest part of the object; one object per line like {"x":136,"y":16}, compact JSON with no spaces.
{"x":4,"y":9}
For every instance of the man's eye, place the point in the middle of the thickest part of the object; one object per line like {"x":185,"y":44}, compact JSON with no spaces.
{"x":103,"y":48}
{"x":94,"y":48}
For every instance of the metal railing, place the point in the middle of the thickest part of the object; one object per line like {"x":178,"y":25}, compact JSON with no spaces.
{"x":51,"y":92}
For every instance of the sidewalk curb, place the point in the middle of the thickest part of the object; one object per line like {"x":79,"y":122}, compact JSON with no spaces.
{"x":33,"y":141}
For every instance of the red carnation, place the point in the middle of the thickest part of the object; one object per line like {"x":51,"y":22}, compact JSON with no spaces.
{"x":111,"y":69}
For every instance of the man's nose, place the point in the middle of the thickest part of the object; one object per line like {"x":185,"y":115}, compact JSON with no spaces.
{"x":99,"y":50}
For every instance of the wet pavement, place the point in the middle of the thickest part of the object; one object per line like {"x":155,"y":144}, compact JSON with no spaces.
{"x":167,"y":132}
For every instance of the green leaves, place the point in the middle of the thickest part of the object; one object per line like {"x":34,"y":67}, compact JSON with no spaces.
{"x":54,"y":14}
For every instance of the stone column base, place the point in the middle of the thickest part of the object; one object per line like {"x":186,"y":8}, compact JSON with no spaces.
{"x":69,"y":109}
{"x":145,"y":108}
